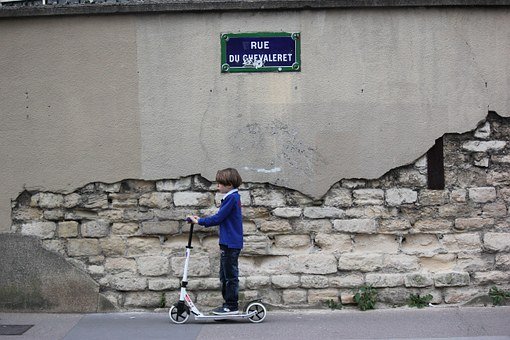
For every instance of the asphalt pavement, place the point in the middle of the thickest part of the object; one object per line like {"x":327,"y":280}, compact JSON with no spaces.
{"x":402,"y":323}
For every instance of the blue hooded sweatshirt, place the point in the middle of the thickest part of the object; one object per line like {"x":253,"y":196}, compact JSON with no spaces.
{"x":230,"y":220}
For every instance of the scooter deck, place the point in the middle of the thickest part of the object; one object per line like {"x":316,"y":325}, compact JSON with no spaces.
{"x":223,"y":317}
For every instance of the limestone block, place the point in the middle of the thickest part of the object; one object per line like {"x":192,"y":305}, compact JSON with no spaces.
{"x":138,"y":186}
{"x":287,"y":212}
{"x":422,"y":279}
{"x":394,"y":226}
{"x":27,"y":214}
{"x":323,"y":212}
{"x":264,"y":265}
{"x":176,"y":214}
{"x":312,"y":226}
{"x":484,"y":146}
{"x":433,"y":197}
{"x":53,"y":215}
{"x":484,"y":131}
{"x":153,"y":265}
{"x":438,"y":263}
{"x":94,"y":201}
{"x":71,"y":200}
{"x":250,"y":213}
{"x":334,"y":242}
{"x":120,"y":265}
{"x":494,"y":210}
{"x":190,"y":199}
{"x":211,"y":283}
{"x":127,"y":229}
{"x":56,"y":246}
{"x":113,"y":245}
{"x":482,"y":194}
{"x":292,"y":241}
{"x":256,"y":245}
{"x":320,"y":296}
{"x":142,"y":299}
{"x":99,"y":228}
{"x":198,"y":266}
{"x":353,"y":183}
{"x":388,"y":244}
{"x":473,"y":262}
{"x":385,"y":280}
{"x":462,"y":242}
{"x":498,"y":178}
{"x":44,"y":230}
{"x":295,"y":198}
{"x":458,"y":196}
{"x":162,"y":228}
{"x":399,"y":196}
{"x":268,"y":198}
{"x":143,"y":246}
{"x":370,"y":211}
{"x":359,"y":226}
{"x":473,"y":223}
{"x":451,"y":279}
{"x":347,"y":298}
{"x":419,"y":244}
{"x":255,"y":282}
{"x":460,"y":295}
{"x":314,"y":281}
{"x":294,"y":296}
{"x":67,"y":229}
{"x":491,"y":277}
{"x":360,"y":262}
{"x":313,"y":264}
{"x":95,"y":270}
{"x":275,"y":226}
{"x":285,"y":281}
{"x":338,"y":197}
{"x":159,"y":200}
{"x":112,"y":215}
{"x":210,"y":299}
{"x":499,"y":242}
{"x":183,"y":183}
{"x":244,"y":194}
{"x":343,"y":280}
{"x":249,"y":228}
{"x":503,"y":261}
{"x":368,"y":196}
{"x":393,"y":296}
{"x":83,"y":247}
{"x":501,"y":159}
{"x":411,"y":178}
{"x":433,"y":226}
{"x":400,"y":262}
{"x":47,"y":200}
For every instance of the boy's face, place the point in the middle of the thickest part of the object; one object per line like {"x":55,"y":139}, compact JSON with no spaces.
{"x":224,"y":188}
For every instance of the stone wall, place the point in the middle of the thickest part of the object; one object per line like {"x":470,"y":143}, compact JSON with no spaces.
{"x":390,"y":232}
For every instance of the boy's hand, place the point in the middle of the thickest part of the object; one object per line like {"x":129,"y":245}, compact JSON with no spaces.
{"x":192,"y":219}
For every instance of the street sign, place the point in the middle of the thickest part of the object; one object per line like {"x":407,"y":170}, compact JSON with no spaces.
{"x":261,"y":52}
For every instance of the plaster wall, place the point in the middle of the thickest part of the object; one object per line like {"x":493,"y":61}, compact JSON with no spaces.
{"x":104,"y":98}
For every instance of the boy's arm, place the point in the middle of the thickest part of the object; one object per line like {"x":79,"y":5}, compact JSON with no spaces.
{"x":221,"y":215}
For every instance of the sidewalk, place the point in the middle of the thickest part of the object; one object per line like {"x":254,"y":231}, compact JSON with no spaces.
{"x":467,"y":322}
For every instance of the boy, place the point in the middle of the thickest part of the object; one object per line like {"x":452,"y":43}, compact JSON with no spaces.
{"x":230,"y":220}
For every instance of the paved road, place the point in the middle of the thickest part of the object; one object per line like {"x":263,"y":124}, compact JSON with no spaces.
{"x":474,"y":322}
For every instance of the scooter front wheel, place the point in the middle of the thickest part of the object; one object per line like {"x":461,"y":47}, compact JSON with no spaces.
{"x":260,"y":312}
{"x":176,"y":317}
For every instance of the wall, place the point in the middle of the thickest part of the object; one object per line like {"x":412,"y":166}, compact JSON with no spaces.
{"x":106,"y":98}
{"x":391,"y":232}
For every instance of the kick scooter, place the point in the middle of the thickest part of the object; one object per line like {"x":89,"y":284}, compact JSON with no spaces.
{"x":255,"y":311}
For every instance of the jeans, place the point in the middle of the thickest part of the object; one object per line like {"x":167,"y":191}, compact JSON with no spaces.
{"x":229,"y":276}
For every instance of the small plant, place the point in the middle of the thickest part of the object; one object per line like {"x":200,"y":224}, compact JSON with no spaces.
{"x":419,"y":301}
{"x":366,"y":297}
{"x":498,"y":296}
{"x":333,"y":304}
{"x":162,"y":301}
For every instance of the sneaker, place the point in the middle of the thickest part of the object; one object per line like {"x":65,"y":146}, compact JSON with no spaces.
{"x":225,"y":311}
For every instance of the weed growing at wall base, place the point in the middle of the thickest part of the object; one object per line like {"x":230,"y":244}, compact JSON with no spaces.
{"x":498,"y":296}
{"x":419,"y":301}
{"x":366,"y":297}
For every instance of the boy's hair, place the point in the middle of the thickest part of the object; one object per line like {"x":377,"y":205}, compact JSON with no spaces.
{"x":229,"y":176}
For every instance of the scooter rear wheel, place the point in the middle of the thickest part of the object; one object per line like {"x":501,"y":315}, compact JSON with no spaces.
{"x":176,"y":317}
{"x":260,"y":312}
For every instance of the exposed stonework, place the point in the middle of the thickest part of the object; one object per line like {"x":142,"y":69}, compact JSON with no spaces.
{"x":392,"y":232}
